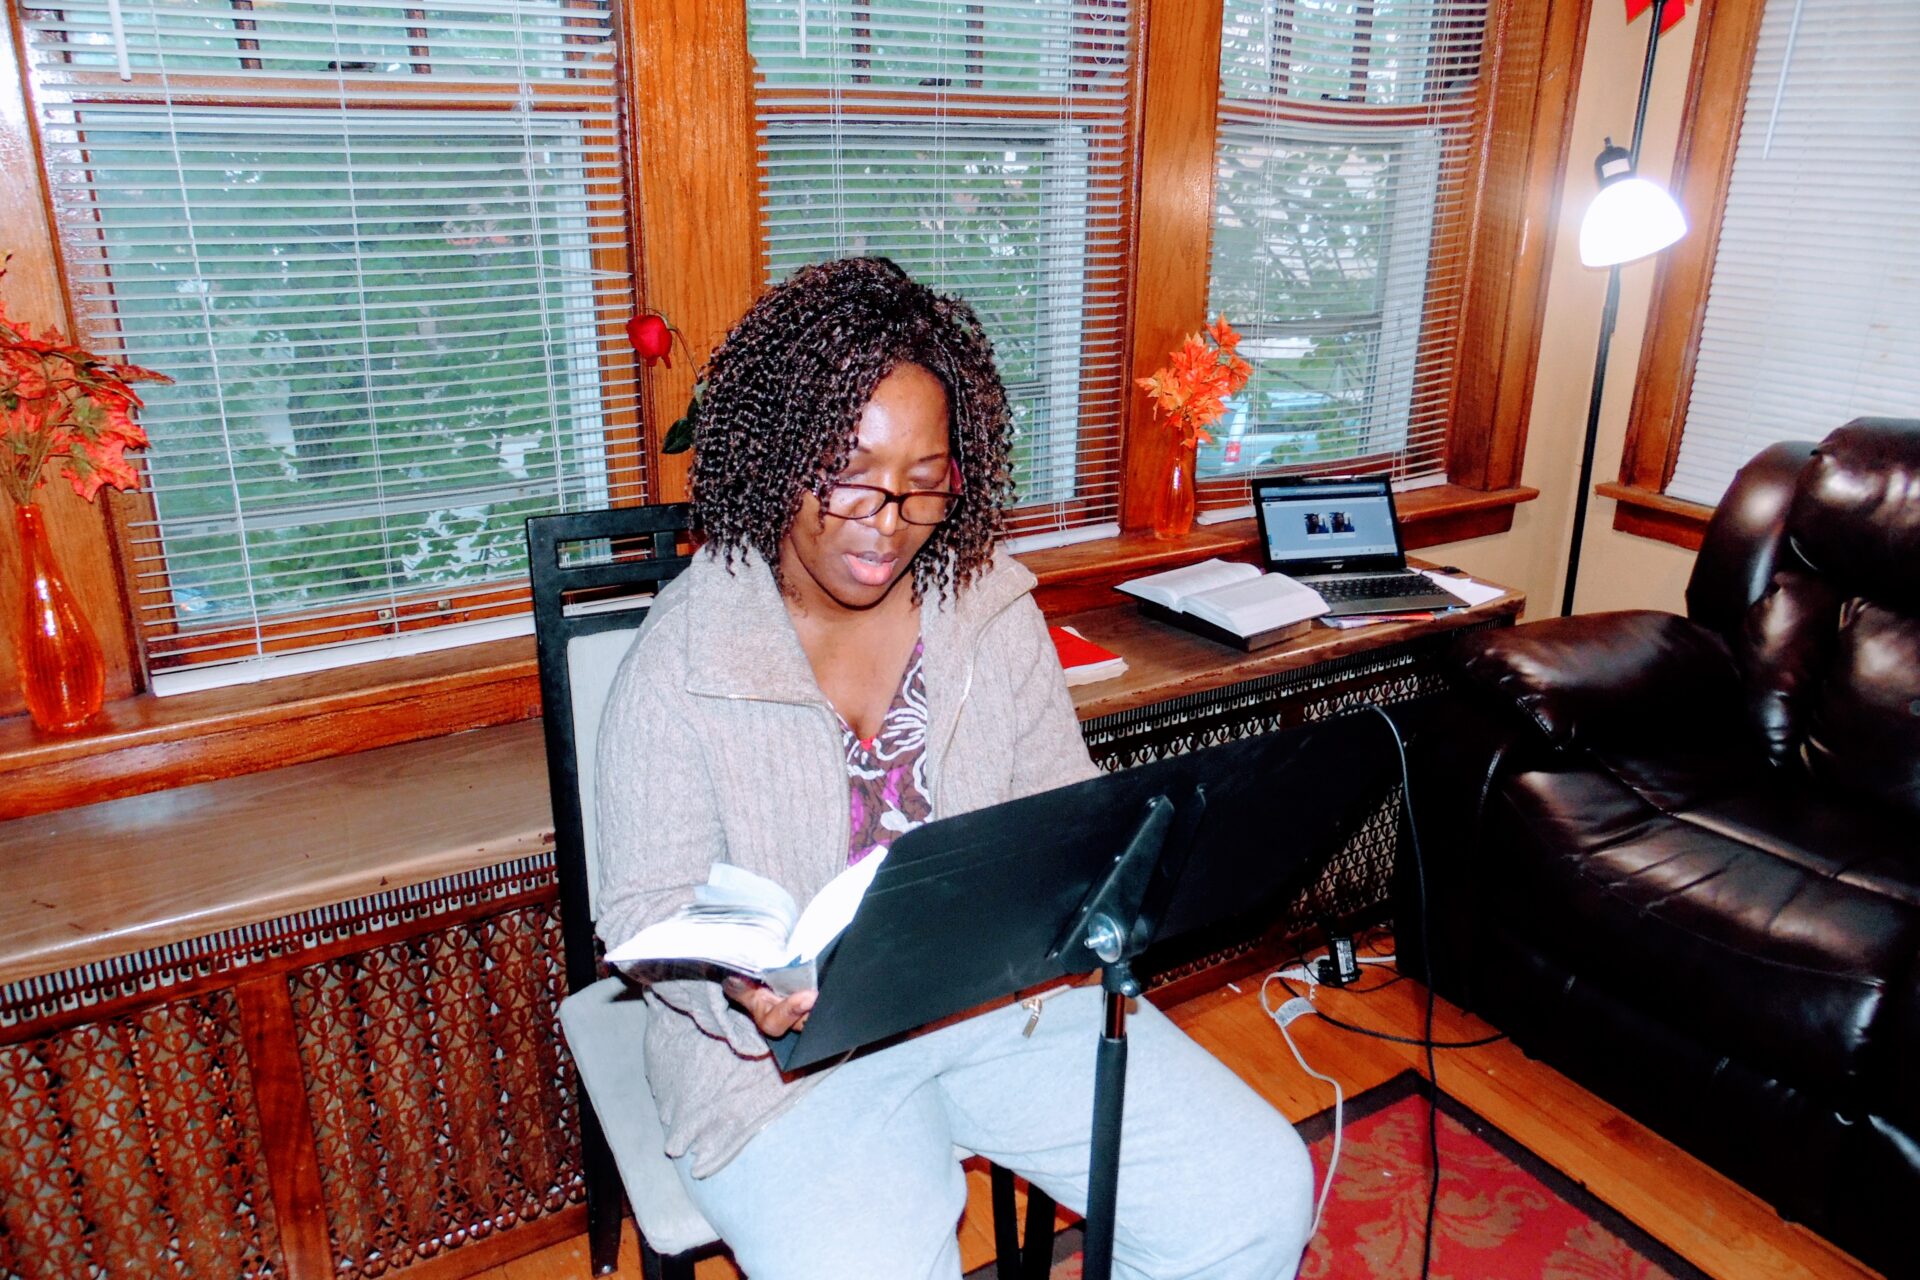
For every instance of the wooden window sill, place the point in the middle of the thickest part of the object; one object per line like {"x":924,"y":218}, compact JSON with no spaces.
{"x":1647,"y":514}
{"x":143,"y":744}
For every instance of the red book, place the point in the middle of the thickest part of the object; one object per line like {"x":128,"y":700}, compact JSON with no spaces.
{"x":1082,"y":659}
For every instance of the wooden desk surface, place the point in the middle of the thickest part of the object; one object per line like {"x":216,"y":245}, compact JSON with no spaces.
{"x":83,"y":885}
{"x":1165,"y":662}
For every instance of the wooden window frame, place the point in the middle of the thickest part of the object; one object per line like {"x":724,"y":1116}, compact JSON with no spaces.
{"x":1723,"y":53}
{"x":1452,"y":229}
{"x":1042,"y":108}
{"x":698,"y":262}
{"x":415,"y":610}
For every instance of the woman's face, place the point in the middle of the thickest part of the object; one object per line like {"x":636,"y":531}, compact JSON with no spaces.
{"x":901,"y":444}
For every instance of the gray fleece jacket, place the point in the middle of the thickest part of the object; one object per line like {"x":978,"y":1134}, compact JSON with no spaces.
{"x":718,"y":744}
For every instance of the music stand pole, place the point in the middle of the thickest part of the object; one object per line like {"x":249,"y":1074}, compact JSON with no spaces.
{"x":1109,"y":1098}
{"x":1113,"y":922}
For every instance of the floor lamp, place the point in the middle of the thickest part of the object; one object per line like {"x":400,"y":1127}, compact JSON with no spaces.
{"x":1629,"y":219}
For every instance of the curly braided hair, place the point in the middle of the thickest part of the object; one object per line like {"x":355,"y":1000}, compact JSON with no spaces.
{"x":783,"y":398}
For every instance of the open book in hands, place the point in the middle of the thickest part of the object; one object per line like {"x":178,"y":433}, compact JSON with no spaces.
{"x":748,"y":924}
{"x":1234,"y":603}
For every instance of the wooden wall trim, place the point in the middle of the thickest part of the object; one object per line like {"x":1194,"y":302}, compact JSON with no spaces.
{"x":690,"y":89}
{"x":1535,"y":55}
{"x":293,"y":1161}
{"x":1723,"y":52}
{"x":1179,"y":100}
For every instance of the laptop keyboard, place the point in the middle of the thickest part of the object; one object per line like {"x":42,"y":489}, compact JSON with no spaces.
{"x":1386,"y":587}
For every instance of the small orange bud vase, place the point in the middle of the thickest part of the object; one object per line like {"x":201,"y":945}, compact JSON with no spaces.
{"x":1173,"y":509}
{"x":54,"y":648}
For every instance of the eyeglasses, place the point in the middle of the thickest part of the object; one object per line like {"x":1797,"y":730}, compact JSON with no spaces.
{"x":865,"y":501}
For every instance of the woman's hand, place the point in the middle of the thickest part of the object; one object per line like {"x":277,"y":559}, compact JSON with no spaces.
{"x":772,"y":1014}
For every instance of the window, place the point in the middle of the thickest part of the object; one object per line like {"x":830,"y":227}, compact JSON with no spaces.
{"x":1811,"y":317}
{"x":382,"y":248}
{"x":984,"y":147}
{"x":1344,"y":174}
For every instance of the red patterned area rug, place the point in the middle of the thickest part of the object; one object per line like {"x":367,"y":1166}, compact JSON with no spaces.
{"x":1503,"y":1212}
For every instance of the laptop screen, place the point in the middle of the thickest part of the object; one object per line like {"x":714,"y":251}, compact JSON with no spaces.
{"x":1326,"y":526}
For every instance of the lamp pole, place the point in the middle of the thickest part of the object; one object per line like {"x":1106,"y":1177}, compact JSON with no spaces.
{"x":1608,"y":314}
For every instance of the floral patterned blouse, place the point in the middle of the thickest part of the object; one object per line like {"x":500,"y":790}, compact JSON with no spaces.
{"x":886,"y":778}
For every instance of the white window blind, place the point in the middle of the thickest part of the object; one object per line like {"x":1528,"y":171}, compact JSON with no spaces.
{"x":983,"y":147}
{"x":1813,"y":315}
{"x":1344,"y":168}
{"x":382,"y":248}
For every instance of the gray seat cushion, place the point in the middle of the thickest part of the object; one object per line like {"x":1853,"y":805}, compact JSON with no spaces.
{"x":605,"y":1026}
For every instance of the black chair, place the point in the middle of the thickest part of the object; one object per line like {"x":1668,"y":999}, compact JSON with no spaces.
{"x":594,"y":575}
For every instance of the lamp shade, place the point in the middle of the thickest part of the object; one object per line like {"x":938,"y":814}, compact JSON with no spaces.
{"x":1630,"y":218}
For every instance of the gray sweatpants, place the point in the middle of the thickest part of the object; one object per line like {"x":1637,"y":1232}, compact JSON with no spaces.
{"x":860,"y":1180}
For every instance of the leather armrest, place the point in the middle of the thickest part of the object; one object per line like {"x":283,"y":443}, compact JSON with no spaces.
{"x":1578,"y":679}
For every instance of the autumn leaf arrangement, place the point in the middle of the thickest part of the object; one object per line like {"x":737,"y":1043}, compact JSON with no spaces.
{"x":61,"y":401}
{"x":1192,"y":389}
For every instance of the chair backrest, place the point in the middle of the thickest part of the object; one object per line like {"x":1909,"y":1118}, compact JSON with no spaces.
{"x":594,"y":574}
{"x":1811,"y":573}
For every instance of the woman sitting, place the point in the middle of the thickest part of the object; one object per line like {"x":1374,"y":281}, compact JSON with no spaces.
{"x":847,"y":658}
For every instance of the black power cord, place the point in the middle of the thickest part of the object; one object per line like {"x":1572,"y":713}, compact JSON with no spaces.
{"x":1425,"y":1040}
{"x":1426,"y":959}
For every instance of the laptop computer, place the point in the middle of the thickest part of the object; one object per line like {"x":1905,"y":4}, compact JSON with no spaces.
{"x":1341,"y":536}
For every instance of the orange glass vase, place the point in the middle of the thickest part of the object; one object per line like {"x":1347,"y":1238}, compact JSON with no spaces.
{"x":54,"y":648}
{"x":1173,"y":510}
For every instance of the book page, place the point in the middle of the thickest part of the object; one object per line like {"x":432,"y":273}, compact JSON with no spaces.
{"x":737,"y":920}
{"x":1261,"y":604}
{"x":1175,"y":586}
{"x":831,"y":910}
{"x":732,"y":937}
{"x":730,"y":885}
{"x":744,"y":922}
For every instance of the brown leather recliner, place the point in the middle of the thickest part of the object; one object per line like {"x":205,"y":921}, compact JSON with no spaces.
{"x":1679,"y":858}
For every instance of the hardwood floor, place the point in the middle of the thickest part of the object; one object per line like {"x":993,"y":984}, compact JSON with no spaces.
{"x":1718,"y":1227}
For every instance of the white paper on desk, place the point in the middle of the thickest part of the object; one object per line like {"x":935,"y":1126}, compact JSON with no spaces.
{"x":1466,"y":590}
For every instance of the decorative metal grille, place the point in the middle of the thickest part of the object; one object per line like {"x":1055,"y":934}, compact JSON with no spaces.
{"x":442,"y":1093}
{"x":131,"y":1147}
{"x":154,"y":970}
{"x":1356,"y":884}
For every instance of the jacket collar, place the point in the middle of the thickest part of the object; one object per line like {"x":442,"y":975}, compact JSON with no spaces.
{"x":741,"y":642}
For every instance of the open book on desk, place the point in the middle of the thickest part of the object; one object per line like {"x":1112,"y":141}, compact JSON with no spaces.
{"x":749,"y":925}
{"x":1233,"y":603}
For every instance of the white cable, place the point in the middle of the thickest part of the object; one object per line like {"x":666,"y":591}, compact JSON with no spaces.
{"x":1282,"y":1015}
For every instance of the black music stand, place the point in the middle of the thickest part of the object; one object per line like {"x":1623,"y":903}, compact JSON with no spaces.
{"x":972,"y":908}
